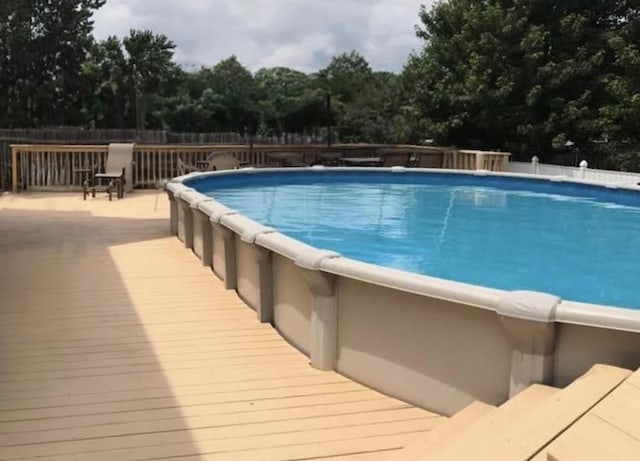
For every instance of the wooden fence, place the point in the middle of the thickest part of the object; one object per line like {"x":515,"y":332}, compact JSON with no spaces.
{"x":151,"y":137}
{"x":82,"y":136}
{"x":54,"y":167}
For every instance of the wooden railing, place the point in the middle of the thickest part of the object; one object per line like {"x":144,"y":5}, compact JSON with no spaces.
{"x":59,"y":167}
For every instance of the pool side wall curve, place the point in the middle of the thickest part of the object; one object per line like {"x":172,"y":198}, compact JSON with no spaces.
{"x":431,"y":342}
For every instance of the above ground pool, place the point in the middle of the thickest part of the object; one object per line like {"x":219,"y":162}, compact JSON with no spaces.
{"x":579,"y":242}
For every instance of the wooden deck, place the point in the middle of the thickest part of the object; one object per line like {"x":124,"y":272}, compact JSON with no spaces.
{"x":608,"y":431}
{"x":116,"y":344}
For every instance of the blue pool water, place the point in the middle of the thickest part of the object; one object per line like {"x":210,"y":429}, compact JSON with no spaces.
{"x":579,"y":242}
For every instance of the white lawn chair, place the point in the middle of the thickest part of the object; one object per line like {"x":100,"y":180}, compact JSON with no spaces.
{"x":216,"y":161}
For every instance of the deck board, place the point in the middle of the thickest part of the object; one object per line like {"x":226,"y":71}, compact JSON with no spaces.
{"x":115,"y":343}
{"x":610,"y":430}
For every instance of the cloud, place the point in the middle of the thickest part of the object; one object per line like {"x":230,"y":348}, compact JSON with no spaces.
{"x":302,"y":34}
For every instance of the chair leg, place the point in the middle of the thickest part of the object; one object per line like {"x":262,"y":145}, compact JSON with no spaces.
{"x":110,"y":190}
{"x":85,"y":189}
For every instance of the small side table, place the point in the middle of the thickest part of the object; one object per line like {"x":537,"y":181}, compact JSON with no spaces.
{"x":85,"y":179}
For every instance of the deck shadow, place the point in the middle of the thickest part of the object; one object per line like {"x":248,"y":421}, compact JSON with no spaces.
{"x":80,"y":375}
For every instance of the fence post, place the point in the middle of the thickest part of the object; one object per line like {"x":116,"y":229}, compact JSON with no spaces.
{"x":14,"y":169}
{"x":583,"y":168}
{"x":535,"y":164}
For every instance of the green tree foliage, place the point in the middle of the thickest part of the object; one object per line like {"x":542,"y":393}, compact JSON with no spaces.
{"x":519,"y":75}
{"x":107,"y":80}
{"x":232,"y":95}
{"x":379,"y":113}
{"x":129,"y":80}
{"x":153,"y":74}
{"x":526,"y":75}
{"x":43,"y":44}
{"x":345,"y":76}
{"x":289,"y":101}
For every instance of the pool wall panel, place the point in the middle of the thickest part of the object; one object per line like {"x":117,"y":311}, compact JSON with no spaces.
{"x":218,"y":252}
{"x":432,"y":353}
{"x":247,"y":273}
{"x":579,"y":347}
{"x":292,"y":304}
{"x":201,"y":236}
{"x":185,"y":223}
{"x":173,"y":213}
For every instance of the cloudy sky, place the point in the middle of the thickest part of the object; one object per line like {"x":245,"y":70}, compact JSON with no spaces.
{"x":302,"y":34}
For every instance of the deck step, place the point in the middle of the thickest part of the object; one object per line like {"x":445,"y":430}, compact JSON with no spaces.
{"x":444,"y":432}
{"x":476,"y":420}
{"x":525,"y":433}
{"x":593,"y":439}
{"x":610,"y":431}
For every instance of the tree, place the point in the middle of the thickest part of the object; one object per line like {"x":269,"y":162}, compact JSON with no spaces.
{"x":282,"y":96}
{"x":368,"y":118}
{"x":232,"y":95}
{"x":345,"y":75}
{"x":344,"y":79}
{"x":43,"y":44}
{"x":128,"y":81}
{"x":107,"y":79}
{"x":522,"y":75}
{"x":151,"y":70}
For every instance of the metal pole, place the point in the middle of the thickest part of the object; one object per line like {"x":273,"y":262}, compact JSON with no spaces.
{"x":139,"y":121}
{"x":329,"y":134}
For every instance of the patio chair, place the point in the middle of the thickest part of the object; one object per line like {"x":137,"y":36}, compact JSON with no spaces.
{"x":287,"y":159}
{"x":430,"y":159}
{"x":329,"y":158}
{"x":216,"y":161}
{"x":119,"y":158}
{"x":396,"y":158}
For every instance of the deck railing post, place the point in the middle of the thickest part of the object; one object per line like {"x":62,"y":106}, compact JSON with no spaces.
{"x":14,"y":169}
{"x":529,"y":322}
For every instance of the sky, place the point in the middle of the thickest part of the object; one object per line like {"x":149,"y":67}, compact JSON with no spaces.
{"x":301,"y":34}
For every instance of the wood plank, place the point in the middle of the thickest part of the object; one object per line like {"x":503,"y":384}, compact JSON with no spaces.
{"x":212,"y":397}
{"x":269,"y":431}
{"x":267,"y":412}
{"x":260,"y":379}
{"x":592,"y":439}
{"x":378,"y":455}
{"x":116,"y":343}
{"x":493,"y":422}
{"x":256,"y":444}
{"x":635,"y":378}
{"x":445,"y":432}
{"x":621,"y":409}
{"x":525,"y":436}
